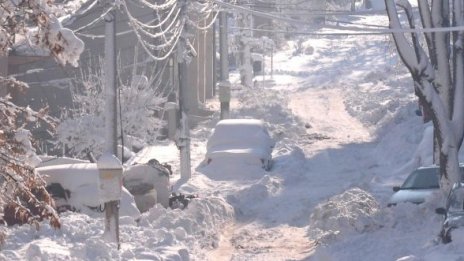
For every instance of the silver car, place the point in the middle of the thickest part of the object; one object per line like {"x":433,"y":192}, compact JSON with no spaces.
{"x":453,"y":212}
{"x":420,"y":184}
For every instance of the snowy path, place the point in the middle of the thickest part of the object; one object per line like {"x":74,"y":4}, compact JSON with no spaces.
{"x":324,"y":111}
{"x":248,"y":242}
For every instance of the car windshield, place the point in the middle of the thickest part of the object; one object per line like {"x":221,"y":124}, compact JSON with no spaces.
{"x":422,"y":179}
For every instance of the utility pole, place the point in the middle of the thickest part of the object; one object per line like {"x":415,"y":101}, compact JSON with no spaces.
{"x":112,"y":206}
{"x":246,"y":77}
{"x":272,"y":61}
{"x":224,"y":84}
{"x":223,"y":46}
{"x":183,"y":139}
{"x":264,"y":60}
{"x":215,"y":76}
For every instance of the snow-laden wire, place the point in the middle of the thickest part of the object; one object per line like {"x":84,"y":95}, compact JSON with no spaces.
{"x":136,"y":25}
{"x":100,"y":36}
{"x":161,"y":23}
{"x":156,"y":7}
{"x":101,"y":17}
{"x":196,"y":25}
{"x":160,"y":58}
{"x":160,"y":43}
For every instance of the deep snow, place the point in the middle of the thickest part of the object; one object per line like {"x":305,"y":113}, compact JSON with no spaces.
{"x":346,"y":130}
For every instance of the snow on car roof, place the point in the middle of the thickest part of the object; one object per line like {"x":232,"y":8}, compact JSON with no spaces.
{"x":239,"y":133}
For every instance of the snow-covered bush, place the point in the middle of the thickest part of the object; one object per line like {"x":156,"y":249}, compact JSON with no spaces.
{"x":141,"y":99}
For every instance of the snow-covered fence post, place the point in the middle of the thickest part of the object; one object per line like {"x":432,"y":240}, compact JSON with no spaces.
{"x":109,"y":190}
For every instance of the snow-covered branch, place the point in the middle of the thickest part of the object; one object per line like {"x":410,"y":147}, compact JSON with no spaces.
{"x":35,"y":20}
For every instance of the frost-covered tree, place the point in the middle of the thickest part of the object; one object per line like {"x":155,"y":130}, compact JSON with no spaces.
{"x":437,"y":72}
{"x":35,"y":22}
{"x":142,"y":97}
{"x":23,"y":197}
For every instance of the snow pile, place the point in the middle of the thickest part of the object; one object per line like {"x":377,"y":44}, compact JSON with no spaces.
{"x":271,"y":107}
{"x":161,"y":234}
{"x":376,"y":103}
{"x":352,"y":211}
{"x":247,"y":198}
{"x":198,"y":224}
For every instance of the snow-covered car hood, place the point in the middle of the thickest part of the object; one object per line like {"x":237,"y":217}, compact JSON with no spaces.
{"x":411,"y":195}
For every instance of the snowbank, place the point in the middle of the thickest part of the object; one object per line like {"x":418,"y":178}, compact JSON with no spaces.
{"x":352,"y":211}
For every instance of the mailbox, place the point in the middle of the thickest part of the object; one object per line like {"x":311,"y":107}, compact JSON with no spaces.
{"x":110,"y":178}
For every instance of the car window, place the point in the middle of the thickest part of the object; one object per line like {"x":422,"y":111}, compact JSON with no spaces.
{"x":422,"y":179}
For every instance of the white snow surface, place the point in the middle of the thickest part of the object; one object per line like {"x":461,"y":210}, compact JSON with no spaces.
{"x":346,"y":130}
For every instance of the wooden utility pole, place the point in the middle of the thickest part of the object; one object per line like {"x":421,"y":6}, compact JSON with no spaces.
{"x":111,"y":207}
{"x":183,"y":139}
{"x":224,"y":84}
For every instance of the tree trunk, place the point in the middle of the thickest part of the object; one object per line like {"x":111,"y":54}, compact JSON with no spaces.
{"x":440,"y":93}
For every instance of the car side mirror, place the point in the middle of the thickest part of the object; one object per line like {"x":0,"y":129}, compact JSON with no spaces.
{"x":396,"y":188}
{"x":440,"y":211}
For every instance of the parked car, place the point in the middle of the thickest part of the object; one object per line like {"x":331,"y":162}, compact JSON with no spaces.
{"x":420,"y":184}
{"x":453,"y":212}
{"x":244,"y":139}
{"x":149,"y":183}
{"x":75,"y":187}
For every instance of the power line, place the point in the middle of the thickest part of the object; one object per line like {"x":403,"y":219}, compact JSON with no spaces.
{"x":363,"y":24}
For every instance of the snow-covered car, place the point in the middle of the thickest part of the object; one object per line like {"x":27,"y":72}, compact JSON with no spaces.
{"x":75,"y":187}
{"x":54,"y":160}
{"x":419,"y":185}
{"x":453,"y":212}
{"x":244,"y":139}
{"x":149,"y":183}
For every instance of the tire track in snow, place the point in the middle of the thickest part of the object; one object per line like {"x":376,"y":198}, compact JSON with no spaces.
{"x":248,"y":242}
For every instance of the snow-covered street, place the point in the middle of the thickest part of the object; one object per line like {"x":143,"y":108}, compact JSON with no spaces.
{"x":344,"y":122}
